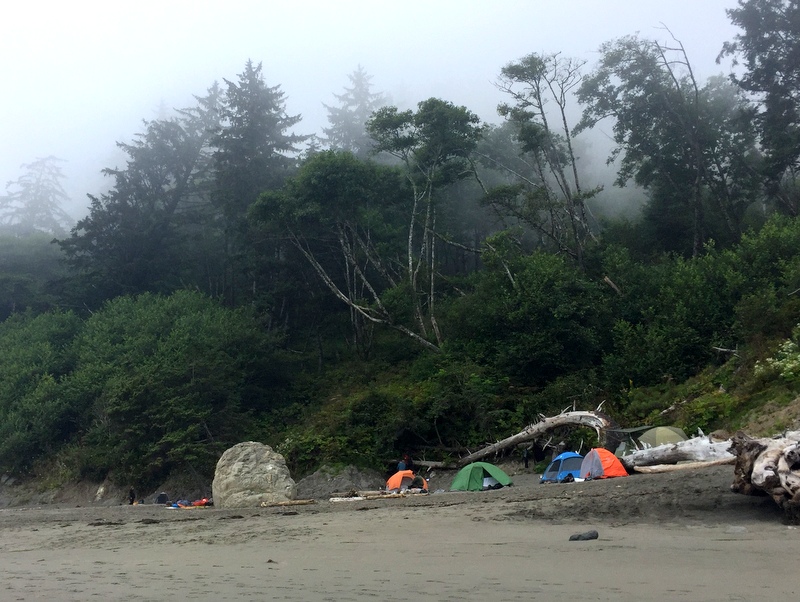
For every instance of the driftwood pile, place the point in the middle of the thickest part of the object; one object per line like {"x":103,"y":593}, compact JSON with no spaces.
{"x":698,"y":449}
{"x":769,"y":466}
{"x":692,"y":453}
{"x":765,"y":466}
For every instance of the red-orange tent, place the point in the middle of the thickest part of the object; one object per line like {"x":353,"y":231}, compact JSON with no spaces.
{"x":402,"y":479}
{"x":600,"y":463}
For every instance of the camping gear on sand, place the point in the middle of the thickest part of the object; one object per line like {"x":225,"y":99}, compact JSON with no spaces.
{"x":403,"y":480}
{"x":480,"y":476}
{"x":564,"y":468}
{"x":600,"y":463}
{"x":661,"y":435}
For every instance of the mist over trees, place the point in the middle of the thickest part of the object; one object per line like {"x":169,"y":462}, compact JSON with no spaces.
{"x":411,"y":279}
{"x":34,"y":202}
{"x":691,"y":145}
{"x":767,"y":40}
{"x":347,"y":129}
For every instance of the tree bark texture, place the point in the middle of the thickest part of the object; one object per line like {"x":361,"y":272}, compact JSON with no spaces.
{"x":769,"y":466}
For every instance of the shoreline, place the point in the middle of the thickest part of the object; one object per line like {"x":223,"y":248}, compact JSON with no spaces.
{"x":655,"y":543}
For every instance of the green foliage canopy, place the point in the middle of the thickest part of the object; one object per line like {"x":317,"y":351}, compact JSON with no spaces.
{"x":769,"y":47}
{"x":169,"y":382}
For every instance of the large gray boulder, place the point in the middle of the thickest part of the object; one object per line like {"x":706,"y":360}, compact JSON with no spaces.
{"x":250,"y":474}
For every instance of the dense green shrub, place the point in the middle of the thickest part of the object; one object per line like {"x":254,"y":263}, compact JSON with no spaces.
{"x":35,"y":356}
{"x":532,"y":318}
{"x":167,"y":382}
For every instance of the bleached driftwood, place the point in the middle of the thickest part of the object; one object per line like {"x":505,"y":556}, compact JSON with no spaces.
{"x":288,"y":503}
{"x":378,"y":496}
{"x":357,"y":493}
{"x":769,"y":466}
{"x":596,"y":420}
{"x":697,"y":449}
{"x":659,"y":468}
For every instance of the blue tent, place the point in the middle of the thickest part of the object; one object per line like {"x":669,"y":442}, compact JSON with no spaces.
{"x":566,"y":466}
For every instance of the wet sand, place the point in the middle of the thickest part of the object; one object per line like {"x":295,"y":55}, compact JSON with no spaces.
{"x":661,"y":537}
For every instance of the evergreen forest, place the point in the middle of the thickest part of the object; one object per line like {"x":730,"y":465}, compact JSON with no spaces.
{"x":413,"y":280}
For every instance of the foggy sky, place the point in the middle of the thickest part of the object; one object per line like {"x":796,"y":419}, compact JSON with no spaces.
{"x":79,"y":76}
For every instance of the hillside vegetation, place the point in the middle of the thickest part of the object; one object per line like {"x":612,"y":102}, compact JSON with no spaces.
{"x":416,"y":281}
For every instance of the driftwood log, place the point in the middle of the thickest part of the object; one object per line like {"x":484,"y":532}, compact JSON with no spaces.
{"x":594,"y":419}
{"x":701,"y":451}
{"x":659,"y":468}
{"x":769,"y":466}
{"x":288,"y":503}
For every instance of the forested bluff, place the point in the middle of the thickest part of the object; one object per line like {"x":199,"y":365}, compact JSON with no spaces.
{"x":414,"y":280}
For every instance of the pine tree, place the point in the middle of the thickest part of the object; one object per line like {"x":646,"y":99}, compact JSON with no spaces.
{"x":35,"y":200}
{"x":254,"y":146}
{"x":152,"y":230}
{"x":255,"y":153}
{"x":347,"y":131}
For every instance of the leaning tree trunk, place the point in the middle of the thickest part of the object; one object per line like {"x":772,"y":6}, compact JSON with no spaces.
{"x":596,"y":420}
{"x":771,"y":467}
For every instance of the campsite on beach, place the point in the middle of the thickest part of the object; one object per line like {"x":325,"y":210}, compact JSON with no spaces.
{"x":468,"y":533}
{"x":512,"y":313}
{"x":675,"y":534}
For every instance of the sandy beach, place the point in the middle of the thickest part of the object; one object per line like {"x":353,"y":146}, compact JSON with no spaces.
{"x":672,"y":536}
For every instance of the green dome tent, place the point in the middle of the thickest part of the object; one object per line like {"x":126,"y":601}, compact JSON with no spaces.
{"x":479,"y":476}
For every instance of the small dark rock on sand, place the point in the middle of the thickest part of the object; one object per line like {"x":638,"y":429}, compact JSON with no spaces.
{"x":586,"y":535}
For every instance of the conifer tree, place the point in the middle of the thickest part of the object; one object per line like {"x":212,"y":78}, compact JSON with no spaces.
{"x":35,"y":200}
{"x":348,"y":131}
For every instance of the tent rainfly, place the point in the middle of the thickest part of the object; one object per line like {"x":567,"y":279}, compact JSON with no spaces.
{"x":662,"y":435}
{"x":480,"y":476}
{"x":405,"y":479}
{"x":600,"y":463}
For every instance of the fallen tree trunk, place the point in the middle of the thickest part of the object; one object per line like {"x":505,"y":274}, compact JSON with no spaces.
{"x":769,"y":466}
{"x":697,"y":449}
{"x":660,"y":468}
{"x":596,"y":420}
{"x":288,"y":503}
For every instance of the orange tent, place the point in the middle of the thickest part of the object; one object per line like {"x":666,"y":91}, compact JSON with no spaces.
{"x":600,"y":463}
{"x":402,"y":480}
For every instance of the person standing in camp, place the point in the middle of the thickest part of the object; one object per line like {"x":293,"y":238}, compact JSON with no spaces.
{"x":131,"y":497}
{"x":408,"y":462}
{"x":525,"y":455}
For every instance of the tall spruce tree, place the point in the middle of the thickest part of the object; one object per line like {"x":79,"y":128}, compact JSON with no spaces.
{"x":348,"y":121}
{"x":255,"y":152}
{"x":255,"y":147}
{"x":35,"y":201}
{"x":136,"y":235}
